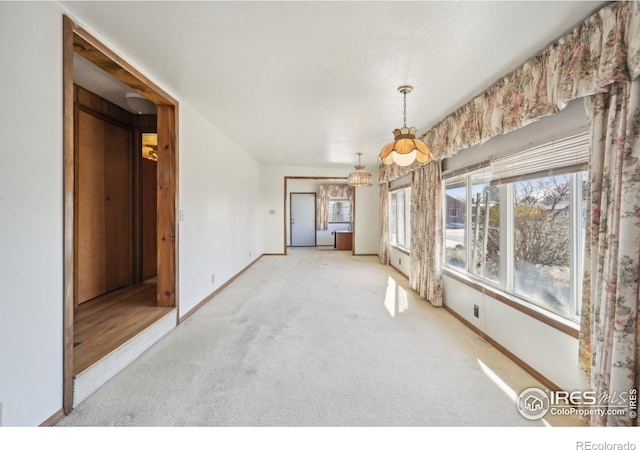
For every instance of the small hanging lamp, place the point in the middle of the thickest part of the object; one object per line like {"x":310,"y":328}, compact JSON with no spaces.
{"x":405,"y":149}
{"x":360,"y":178}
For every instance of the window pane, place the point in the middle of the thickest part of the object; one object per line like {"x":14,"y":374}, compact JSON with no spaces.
{"x":542,"y":226}
{"x":393,"y":224}
{"x":400,"y":227}
{"x":455,"y":233}
{"x":339,"y":211}
{"x":485,"y":229}
{"x":342,"y":211}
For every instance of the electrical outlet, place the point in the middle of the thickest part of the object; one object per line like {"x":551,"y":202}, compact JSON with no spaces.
{"x":476,"y":311}
{"x":249,"y":254}
{"x":400,"y":261}
{"x":213,"y":278}
{"x":181,"y":216}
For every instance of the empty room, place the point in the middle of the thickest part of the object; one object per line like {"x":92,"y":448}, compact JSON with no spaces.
{"x":320,"y":214}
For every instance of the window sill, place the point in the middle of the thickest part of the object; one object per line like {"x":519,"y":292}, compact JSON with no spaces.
{"x":400,"y":249}
{"x":559,"y":323}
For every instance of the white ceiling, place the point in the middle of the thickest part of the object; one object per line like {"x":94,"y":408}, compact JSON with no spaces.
{"x":313,"y":83}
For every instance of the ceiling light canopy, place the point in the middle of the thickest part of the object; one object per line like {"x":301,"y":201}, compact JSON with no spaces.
{"x":405,"y":148}
{"x":139,"y":104}
{"x":360,"y":178}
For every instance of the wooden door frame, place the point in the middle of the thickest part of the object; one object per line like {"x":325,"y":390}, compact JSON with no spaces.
{"x":286,"y":180}
{"x":78,"y":40}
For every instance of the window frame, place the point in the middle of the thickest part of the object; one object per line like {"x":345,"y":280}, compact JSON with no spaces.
{"x":504,"y":287}
{"x":330,"y":214}
{"x":406,"y":218}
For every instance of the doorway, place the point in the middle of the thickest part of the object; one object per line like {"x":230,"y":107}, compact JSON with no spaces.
{"x":307,"y":184}
{"x":77,"y":41}
{"x":303,"y":219}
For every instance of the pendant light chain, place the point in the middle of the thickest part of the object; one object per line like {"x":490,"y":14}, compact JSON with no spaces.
{"x":405,"y":109}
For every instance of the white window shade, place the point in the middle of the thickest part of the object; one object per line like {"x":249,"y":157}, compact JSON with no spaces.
{"x":400,"y":183}
{"x":557,"y":157}
{"x":566,"y":155}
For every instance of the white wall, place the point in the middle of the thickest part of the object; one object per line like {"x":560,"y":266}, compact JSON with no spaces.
{"x":367,"y":219}
{"x":549,"y":351}
{"x":221,"y":230}
{"x":31,"y":211}
{"x":273,"y":198}
{"x":399,"y":260}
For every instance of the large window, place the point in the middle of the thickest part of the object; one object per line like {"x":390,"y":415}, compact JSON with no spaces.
{"x":400,"y":218}
{"x":520,"y":232}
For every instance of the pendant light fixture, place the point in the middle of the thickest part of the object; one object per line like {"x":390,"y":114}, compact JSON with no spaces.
{"x":360,"y":178}
{"x":405,"y":148}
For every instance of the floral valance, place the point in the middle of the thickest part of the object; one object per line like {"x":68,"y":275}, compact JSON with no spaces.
{"x":334,"y":191}
{"x":604,"y":49}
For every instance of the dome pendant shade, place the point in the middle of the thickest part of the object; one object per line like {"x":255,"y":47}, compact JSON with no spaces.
{"x":360,"y":178}
{"x":405,"y":148}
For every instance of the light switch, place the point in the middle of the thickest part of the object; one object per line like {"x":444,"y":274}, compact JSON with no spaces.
{"x":181,"y":216}
{"x":272,"y":211}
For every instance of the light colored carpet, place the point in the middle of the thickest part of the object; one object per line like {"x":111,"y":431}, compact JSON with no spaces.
{"x":315,"y":338}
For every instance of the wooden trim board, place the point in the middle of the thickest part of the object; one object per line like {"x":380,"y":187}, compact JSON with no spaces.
{"x":55,"y":418}
{"x":69,"y":262}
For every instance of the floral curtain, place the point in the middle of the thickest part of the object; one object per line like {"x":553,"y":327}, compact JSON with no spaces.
{"x":609,"y":338}
{"x":426,"y":233}
{"x":325,"y":193}
{"x":383,"y":224}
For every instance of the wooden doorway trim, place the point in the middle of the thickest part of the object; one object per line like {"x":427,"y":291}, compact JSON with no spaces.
{"x":286,"y":181}
{"x":78,"y":40}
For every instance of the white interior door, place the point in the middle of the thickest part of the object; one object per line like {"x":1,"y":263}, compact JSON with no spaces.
{"x":303,"y":220}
